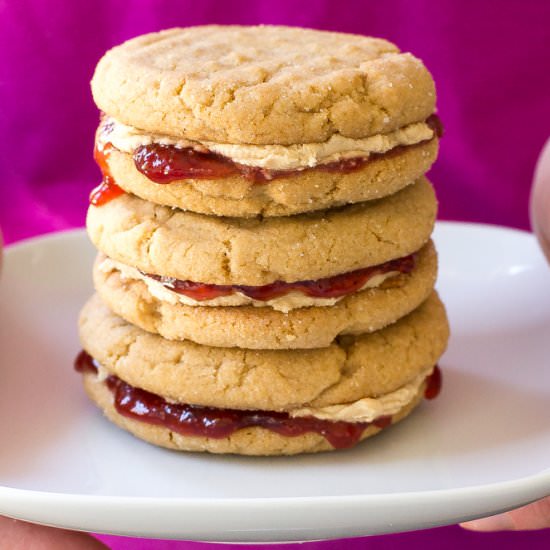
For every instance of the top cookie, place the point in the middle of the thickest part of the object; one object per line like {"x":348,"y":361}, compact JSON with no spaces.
{"x":262,"y":85}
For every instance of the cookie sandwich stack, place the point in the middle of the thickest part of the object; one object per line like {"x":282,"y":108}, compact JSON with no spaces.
{"x":265,"y":272}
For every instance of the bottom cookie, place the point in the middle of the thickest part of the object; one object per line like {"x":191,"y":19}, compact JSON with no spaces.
{"x":249,"y":440}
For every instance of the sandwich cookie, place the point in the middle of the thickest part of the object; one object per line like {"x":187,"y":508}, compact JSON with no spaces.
{"x":348,"y":390}
{"x":242,"y":121}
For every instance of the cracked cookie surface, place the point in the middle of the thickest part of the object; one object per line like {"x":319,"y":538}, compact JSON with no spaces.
{"x":304,"y":191}
{"x":262,"y":327}
{"x":351,"y":368}
{"x":206,"y":249}
{"x":262,"y":85}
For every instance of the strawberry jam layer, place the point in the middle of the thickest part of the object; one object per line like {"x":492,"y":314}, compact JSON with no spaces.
{"x":433,"y":384}
{"x":190,"y":420}
{"x":167,"y":163}
{"x":107,"y":190}
{"x":330,"y":287}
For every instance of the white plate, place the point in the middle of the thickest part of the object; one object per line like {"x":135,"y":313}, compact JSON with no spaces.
{"x":480,"y":448}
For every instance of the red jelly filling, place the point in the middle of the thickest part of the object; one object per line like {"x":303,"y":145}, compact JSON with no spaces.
{"x":167,"y":163}
{"x":433,"y":384}
{"x":434,"y":122}
{"x":330,"y":287}
{"x":107,"y":190}
{"x":192,"y":420}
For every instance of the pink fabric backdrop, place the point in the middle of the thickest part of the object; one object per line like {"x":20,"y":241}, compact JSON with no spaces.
{"x":490,"y":61}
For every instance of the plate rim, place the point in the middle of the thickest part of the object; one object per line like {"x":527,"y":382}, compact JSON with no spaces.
{"x":503,"y":486}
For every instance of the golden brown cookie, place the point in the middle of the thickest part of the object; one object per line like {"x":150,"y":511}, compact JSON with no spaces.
{"x":263,"y":327}
{"x":247,"y":441}
{"x":303,"y":191}
{"x":188,"y":246}
{"x":350,"y":369}
{"x":262,"y":85}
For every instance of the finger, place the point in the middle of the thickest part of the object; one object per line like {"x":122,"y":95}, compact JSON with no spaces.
{"x":540,"y":200}
{"x":19,"y":535}
{"x":527,"y":518}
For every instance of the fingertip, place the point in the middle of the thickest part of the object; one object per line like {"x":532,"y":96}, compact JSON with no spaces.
{"x":500,"y":522}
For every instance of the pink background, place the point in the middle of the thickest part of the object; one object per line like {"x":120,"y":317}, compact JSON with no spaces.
{"x":490,"y":61}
